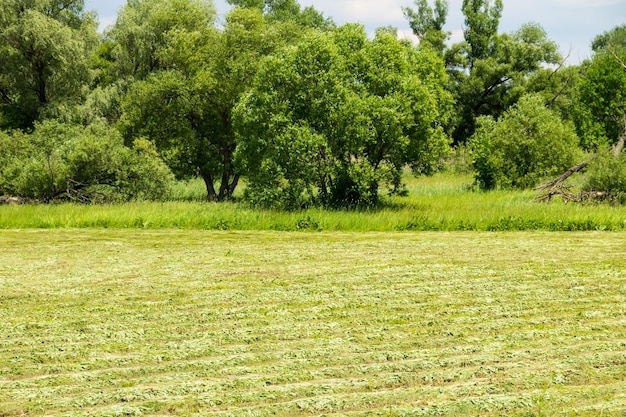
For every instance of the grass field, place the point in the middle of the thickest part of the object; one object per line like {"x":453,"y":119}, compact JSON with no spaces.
{"x":439,"y":203}
{"x":190,"y":322}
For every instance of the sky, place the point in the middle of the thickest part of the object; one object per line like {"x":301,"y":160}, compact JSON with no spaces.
{"x":572,"y":24}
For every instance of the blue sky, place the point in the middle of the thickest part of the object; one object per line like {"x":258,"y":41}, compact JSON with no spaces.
{"x":570,"y":23}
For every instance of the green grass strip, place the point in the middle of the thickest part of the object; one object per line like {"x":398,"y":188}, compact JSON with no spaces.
{"x":440,"y":203}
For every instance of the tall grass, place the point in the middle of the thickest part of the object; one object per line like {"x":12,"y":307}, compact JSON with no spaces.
{"x":444,"y":202}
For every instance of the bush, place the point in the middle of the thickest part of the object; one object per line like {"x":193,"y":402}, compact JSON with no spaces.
{"x":71,"y":162}
{"x":528,"y":144}
{"x":607,"y":177}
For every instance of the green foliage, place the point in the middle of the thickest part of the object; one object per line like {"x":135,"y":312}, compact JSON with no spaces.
{"x":335,"y":117}
{"x":44,"y":51}
{"x":489,"y":85}
{"x":60,"y":161}
{"x":607,"y":176}
{"x":163,"y":108}
{"x":558,"y":87}
{"x":287,"y":12}
{"x":600,"y":106}
{"x":187,"y":110}
{"x":489,"y":71}
{"x":142,"y":29}
{"x":427,"y":23}
{"x":526,"y":145}
{"x":610,"y":40}
{"x":482,"y":20}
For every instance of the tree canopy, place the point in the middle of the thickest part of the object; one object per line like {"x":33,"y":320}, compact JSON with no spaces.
{"x":308,"y":113}
{"x":44,"y":57}
{"x":428,"y":22}
{"x":600,"y":112}
{"x":337,"y":116}
{"x":186,"y":109}
{"x":59,"y":161}
{"x":529,"y":143}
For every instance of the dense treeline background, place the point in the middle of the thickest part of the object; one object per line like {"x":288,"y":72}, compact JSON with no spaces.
{"x":307,"y":112}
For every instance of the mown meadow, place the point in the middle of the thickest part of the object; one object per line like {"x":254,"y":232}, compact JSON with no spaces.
{"x":188,"y":322}
{"x":189,"y":308}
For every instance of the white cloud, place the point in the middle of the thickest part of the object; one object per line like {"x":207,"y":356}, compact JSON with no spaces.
{"x":105,"y":21}
{"x":377,"y":12}
{"x":588,"y":3}
{"x":408,"y":34}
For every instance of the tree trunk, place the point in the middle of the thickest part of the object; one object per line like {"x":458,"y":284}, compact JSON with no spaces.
{"x":227,"y":186}
{"x":233,"y":185}
{"x":210,"y":188}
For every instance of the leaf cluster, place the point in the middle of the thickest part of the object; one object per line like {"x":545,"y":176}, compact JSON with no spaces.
{"x":335,"y":117}
{"x":307,"y":112}
{"x":528,"y":144}
{"x":59,"y":161}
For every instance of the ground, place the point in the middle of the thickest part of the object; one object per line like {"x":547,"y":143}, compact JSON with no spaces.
{"x":170,"y":322}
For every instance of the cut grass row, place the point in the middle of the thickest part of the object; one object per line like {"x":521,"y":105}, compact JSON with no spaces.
{"x":440,"y":203}
{"x":173,"y":322}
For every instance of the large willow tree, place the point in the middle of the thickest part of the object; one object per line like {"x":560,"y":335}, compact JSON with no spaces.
{"x":335,"y":118}
{"x":45,"y":46}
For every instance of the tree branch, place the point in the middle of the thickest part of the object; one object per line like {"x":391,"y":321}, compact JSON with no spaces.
{"x":617,"y":58}
{"x":5,"y":97}
{"x":552,"y":184}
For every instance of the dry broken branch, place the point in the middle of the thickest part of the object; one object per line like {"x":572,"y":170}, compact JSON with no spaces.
{"x":554,"y":185}
{"x":566,"y":174}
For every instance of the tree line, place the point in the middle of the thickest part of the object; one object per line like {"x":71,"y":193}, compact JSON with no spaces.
{"x":308,"y":112}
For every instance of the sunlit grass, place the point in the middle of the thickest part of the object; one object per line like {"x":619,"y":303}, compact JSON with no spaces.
{"x":444,"y":202}
{"x":195,"y":323}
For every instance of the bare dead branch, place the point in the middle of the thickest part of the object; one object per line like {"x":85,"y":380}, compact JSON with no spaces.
{"x":566,"y":174}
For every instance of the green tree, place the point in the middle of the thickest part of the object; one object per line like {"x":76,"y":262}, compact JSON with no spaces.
{"x":600,"y":110}
{"x":287,"y":11}
{"x":606,"y":178}
{"x":488,"y":71}
{"x":71,"y":162}
{"x":187,"y":109}
{"x":427,"y":22}
{"x":140,"y":35}
{"x":496,"y":77}
{"x":496,"y":82}
{"x":558,"y":86}
{"x":44,"y":55}
{"x":334,"y":118}
{"x":529,"y":143}
{"x":482,"y":20}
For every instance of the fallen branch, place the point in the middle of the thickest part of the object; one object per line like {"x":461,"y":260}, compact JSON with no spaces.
{"x":553,"y":185}
{"x":566,"y":174}
{"x":564,"y":191}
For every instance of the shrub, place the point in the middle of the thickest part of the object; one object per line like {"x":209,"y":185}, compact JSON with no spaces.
{"x":62,"y":161}
{"x":529,"y":143}
{"x":607,"y":177}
